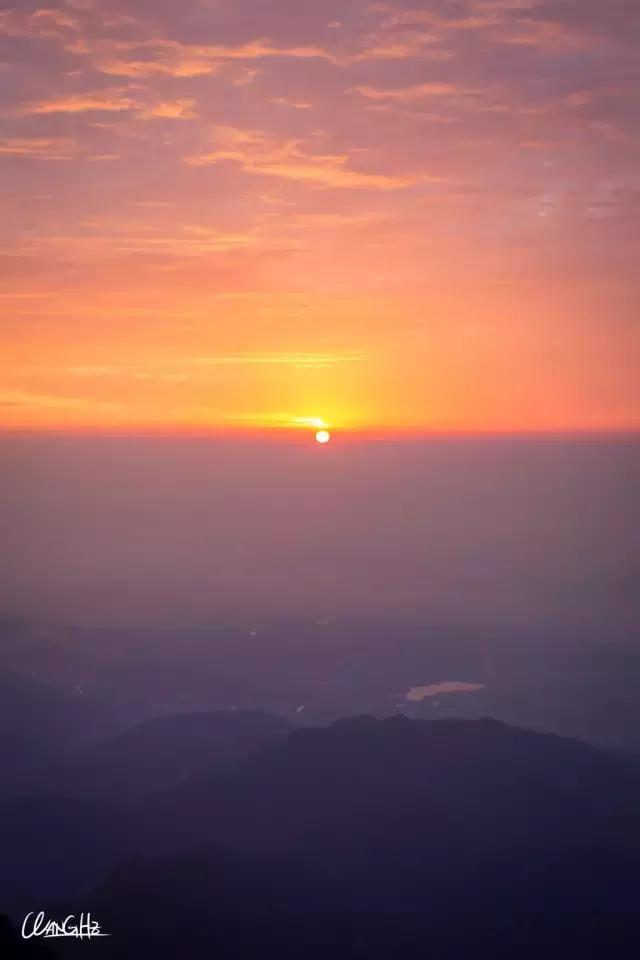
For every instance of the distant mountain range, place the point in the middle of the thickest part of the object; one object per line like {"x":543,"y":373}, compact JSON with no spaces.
{"x":159,"y":752}
{"x":367,"y":838}
{"x":581,"y":682}
{"x":40,"y":724}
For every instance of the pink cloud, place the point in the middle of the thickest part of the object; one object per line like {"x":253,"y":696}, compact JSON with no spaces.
{"x":288,"y":159}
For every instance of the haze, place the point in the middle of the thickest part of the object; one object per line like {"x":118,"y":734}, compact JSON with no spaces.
{"x":495,"y":533}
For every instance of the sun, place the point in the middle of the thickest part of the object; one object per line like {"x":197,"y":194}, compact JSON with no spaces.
{"x":323,"y":436}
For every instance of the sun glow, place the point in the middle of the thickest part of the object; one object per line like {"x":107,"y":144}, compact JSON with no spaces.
{"x":323,"y":436}
{"x":317,"y":422}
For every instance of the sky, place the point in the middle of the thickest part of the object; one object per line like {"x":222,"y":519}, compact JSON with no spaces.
{"x":246,"y":215}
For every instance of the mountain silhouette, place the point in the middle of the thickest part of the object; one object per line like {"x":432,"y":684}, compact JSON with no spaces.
{"x":162,"y":751}
{"x":368,"y":838}
{"x":89,"y":809}
{"x":461,"y":781}
{"x":209,"y":902}
{"x":41,"y":724}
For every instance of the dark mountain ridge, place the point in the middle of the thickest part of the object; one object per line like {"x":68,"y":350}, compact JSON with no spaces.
{"x":161,"y":751}
{"x":377,"y":839}
{"x":362,"y":839}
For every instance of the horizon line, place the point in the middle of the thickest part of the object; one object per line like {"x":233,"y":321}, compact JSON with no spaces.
{"x":304,"y":434}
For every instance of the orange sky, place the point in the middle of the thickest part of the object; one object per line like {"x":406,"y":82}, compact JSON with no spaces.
{"x":390,"y":216}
